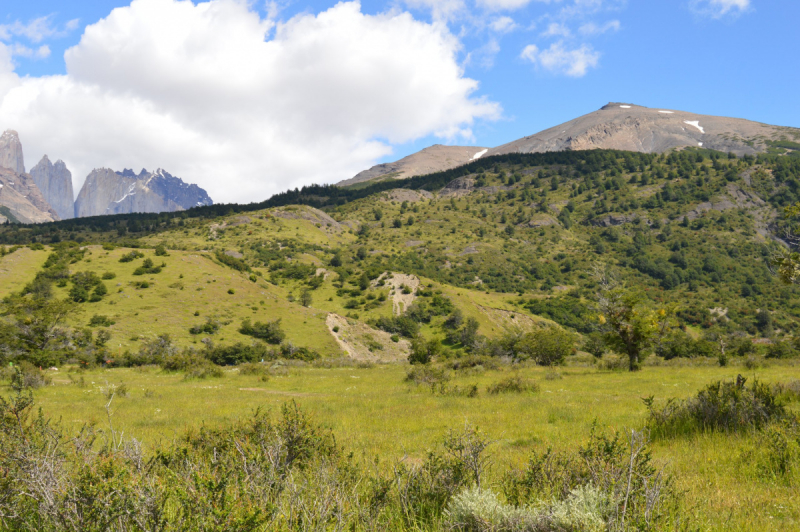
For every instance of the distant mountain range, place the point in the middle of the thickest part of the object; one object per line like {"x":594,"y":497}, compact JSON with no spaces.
{"x":45,"y":194}
{"x":616,"y":126}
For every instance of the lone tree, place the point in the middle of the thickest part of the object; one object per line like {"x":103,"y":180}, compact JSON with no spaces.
{"x":629,"y":324}
{"x":305,"y":297}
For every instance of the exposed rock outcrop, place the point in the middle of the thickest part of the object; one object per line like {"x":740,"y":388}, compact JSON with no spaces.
{"x":55,"y":183}
{"x":22,"y":199}
{"x":461,"y":186}
{"x":108,"y":192}
{"x":432,"y":159}
{"x":11,"y":152}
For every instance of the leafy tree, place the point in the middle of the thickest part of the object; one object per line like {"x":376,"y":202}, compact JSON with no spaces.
{"x":630,"y":325}
{"x":306,"y":298}
{"x":33,"y":329}
{"x":423,"y":351}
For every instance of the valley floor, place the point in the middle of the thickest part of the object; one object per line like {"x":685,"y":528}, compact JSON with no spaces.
{"x":374,"y":412}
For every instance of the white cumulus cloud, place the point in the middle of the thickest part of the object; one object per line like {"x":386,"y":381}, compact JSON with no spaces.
{"x":590,"y":29}
{"x":719,"y":8}
{"x":555,"y":29}
{"x":503,"y":25}
{"x":561,"y":60}
{"x":242,"y":105}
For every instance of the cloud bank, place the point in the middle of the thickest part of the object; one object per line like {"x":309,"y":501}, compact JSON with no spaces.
{"x":242,"y":105}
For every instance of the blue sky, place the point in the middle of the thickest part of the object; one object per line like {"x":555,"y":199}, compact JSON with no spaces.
{"x":536,"y":64}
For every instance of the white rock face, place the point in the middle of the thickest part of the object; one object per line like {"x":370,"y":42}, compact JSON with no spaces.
{"x":108,"y":192}
{"x":11,"y":152}
{"x":55,"y":183}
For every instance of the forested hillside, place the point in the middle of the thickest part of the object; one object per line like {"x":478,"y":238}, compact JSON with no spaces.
{"x":694,"y":231}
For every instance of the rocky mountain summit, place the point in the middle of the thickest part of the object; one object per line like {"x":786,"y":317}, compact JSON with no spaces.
{"x":11,"y":152}
{"x":108,"y":192}
{"x":616,"y":126}
{"x":619,"y":126}
{"x":47,"y":195}
{"x":55,"y":183}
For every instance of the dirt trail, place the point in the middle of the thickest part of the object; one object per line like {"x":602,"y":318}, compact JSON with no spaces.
{"x":361,"y":342}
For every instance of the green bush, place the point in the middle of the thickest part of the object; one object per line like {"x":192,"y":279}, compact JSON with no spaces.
{"x":722,"y":406}
{"x":271,"y":332}
{"x":514,"y":384}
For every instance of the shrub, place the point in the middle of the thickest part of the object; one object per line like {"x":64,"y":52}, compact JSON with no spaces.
{"x":423,"y":351}
{"x":270,"y":332}
{"x":779,"y":350}
{"x":98,"y":320}
{"x":609,"y":484}
{"x":238,"y":353}
{"x":547,"y":347}
{"x":109,"y":275}
{"x":720,"y":406}
{"x":515,"y":384}
{"x":130,"y":257}
{"x":148,"y":267}
{"x":475,"y":362}
{"x":161,"y":251}
{"x":26,"y":375}
{"x":253,"y":368}
{"x":209,"y":327}
{"x":232,"y":262}
{"x":427,"y":376}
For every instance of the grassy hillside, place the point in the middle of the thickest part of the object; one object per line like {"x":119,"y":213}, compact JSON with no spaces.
{"x":516,"y":233}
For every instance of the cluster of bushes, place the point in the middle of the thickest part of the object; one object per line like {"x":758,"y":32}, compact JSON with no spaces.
{"x":162,"y":352}
{"x":148,"y":267}
{"x":232,"y":262}
{"x":131,"y":256}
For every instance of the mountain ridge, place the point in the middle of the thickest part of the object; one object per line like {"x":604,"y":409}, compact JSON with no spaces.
{"x":619,"y":126}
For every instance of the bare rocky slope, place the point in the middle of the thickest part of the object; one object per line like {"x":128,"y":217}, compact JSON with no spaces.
{"x":432,"y":159}
{"x":55,"y":183}
{"x":108,"y":192}
{"x":619,"y":126}
{"x":616,"y":126}
{"x":21,"y":201}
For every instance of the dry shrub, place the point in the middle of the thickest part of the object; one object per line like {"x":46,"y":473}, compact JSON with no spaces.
{"x":253,"y":368}
{"x":514,"y":384}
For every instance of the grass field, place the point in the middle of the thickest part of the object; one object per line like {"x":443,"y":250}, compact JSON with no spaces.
{"x":374,"y":412}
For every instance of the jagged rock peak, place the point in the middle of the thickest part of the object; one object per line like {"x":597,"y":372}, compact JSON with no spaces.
{"x":108,"y":192}
{"x":11,"y":152}
{"x":55,"y":183}
{"x":127,"y":172}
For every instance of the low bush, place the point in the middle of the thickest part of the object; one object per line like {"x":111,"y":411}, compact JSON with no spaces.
{"x":253,"y":368}
{"x":514,"y":384}
{"x":611,"y":483}
{"x":471,"y":362}
{"x":27,"y":376}
{"x":98,"y":320}
{"x":427,"y":376}
{"x":271,"y":332}
{"x":721,"y":406}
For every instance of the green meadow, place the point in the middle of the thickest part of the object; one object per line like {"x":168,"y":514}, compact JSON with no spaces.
{"x":375,"y":413}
